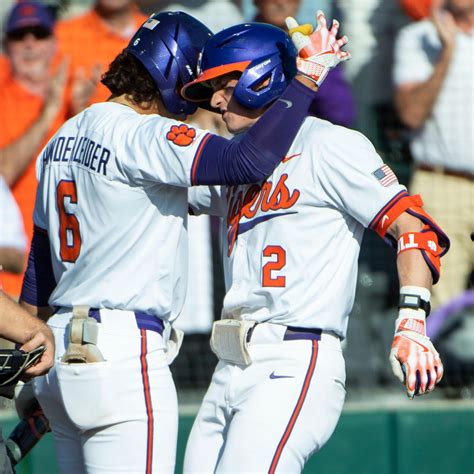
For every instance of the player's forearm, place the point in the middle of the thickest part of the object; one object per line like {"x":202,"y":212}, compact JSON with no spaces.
{"x":15,"y":157}
{"x":12,"y":260}
{"x":414,"y":103}
{"x":16,"y":324}
{"x":43,"y":312}
{"x":413,"y":270}
{"x":411,"y":266}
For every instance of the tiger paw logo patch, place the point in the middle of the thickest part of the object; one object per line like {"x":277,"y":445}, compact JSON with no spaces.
{"x":181,"y":135}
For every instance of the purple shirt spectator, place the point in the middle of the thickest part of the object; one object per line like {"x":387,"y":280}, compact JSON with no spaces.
{"x":334,"y":101}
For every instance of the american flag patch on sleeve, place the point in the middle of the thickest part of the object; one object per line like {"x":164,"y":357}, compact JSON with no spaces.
{"x":385,"y":176}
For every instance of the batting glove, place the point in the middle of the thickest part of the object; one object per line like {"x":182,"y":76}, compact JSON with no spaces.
{"x":415,"y":361}
{"x":318,"y":51}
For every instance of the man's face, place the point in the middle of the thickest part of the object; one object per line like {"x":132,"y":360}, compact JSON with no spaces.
{"x":276,"y":11}
{"x":31,"y":51}
{"x":113,"y":5}
{"x":236,"y":117}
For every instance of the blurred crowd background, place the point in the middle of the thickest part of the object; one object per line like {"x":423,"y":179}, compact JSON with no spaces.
{"x":409,"y":88}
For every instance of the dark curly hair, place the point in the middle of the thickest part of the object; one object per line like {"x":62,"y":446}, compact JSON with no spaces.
{"x":127,"y":75}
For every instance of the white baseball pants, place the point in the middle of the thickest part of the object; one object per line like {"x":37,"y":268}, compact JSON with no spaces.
{"x":271,"y":416}
{"x":116,"y":416}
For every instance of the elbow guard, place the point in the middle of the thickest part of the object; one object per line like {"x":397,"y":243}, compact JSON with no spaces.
{"x":426,"y":241}
{"x":431,"y":240}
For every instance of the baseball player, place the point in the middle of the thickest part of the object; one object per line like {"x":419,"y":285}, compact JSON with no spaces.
{"x":109,"y":251}
{"x":290,"y":257}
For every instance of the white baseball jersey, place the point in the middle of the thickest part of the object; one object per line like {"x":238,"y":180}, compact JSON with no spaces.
{"x":117,"y":231}
{"x":293,"y":241}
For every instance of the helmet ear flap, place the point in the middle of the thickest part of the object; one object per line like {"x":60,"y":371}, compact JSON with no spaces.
{"x":261,"y":83}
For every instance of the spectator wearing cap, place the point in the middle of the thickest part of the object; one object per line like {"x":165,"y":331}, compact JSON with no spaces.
{"x":93,"y":39}
{"x":32,"y":104}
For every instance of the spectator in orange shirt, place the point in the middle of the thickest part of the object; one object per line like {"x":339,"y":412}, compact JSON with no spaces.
{"x":93,"y":39}
{"x":4,"y":67}
{"x":32,"y":107}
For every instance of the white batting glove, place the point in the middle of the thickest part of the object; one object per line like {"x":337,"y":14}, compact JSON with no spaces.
{"x":415,"y":361}
{"x":318,"y":51}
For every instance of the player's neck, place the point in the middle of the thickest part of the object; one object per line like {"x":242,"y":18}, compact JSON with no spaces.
{"x":146,"y":108}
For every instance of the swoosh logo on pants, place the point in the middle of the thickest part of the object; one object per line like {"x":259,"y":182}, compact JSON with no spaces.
{"x":274,"y":376}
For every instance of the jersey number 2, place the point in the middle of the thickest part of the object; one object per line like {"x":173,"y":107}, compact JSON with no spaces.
{"x":69,"y":232}
{"x":278,"y":264}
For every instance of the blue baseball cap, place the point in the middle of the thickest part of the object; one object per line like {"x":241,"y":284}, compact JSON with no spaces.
{"x":29,"y":14}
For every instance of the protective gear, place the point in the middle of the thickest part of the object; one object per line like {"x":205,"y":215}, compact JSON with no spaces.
{"x":318,"y":51}
{"x":168,"y":45}
{"x":260,"y":52}
{"x":14,"y":362}
{"x":435,"y":243}
{"x":427,"y":242}
{"x":82,"y":338}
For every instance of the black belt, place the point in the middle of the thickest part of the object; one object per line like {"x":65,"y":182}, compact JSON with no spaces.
{"x":293,"y":333}
{"x":446,"y":171}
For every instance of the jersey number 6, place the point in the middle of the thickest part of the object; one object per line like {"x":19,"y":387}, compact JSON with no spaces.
{"x":275,"y":265}
{"x":69,"y":233}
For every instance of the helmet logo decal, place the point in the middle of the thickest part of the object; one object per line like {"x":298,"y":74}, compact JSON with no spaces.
{"x":259,"y":66}
{"x":151,"y":23}
{"x":181,"y":135}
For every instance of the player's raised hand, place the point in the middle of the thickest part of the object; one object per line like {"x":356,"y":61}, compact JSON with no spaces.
{"x":414,"y":359}
{"x":319,"y":51}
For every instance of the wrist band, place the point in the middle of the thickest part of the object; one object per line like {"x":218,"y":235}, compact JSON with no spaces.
{"x":413,"y":297}
{"x":414,"y":302}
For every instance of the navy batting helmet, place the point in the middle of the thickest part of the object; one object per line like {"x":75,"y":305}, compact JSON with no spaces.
{"x":264,"y":54}
{"x":168,"y":45}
